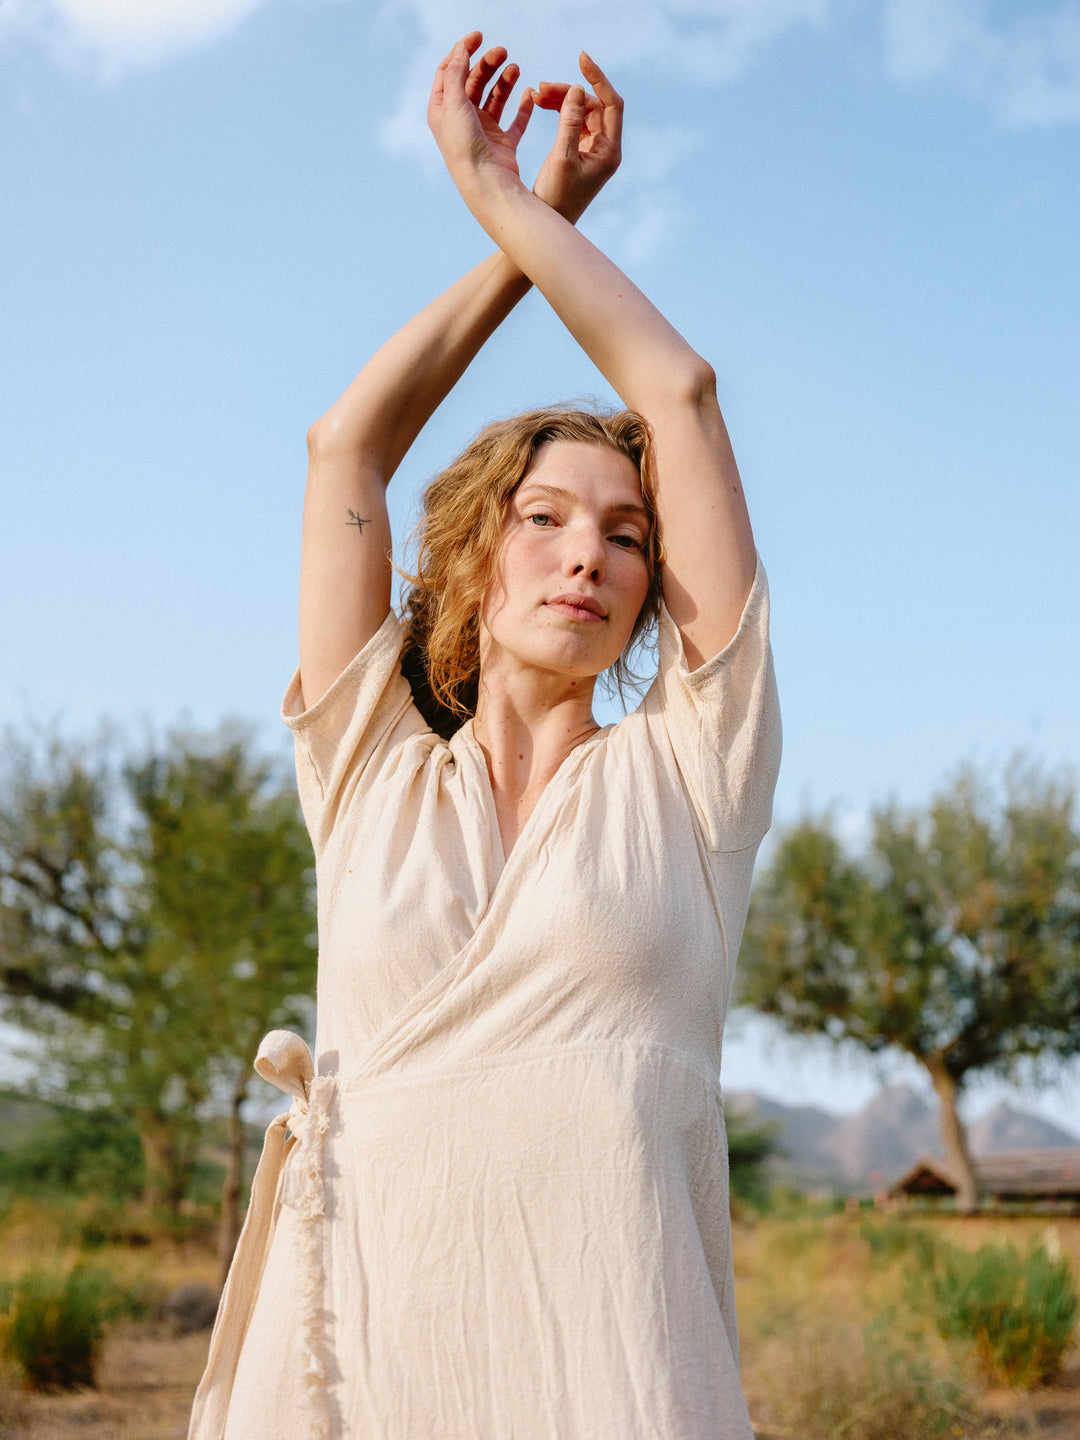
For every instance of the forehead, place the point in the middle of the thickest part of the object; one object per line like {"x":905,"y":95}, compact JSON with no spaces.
{"x":595,"y":472}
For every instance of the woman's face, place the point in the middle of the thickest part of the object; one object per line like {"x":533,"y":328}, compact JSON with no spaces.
{"x":572,"y":572}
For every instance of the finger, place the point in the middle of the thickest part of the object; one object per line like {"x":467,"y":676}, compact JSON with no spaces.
{"x":571,"y":119}
{"x":439,"y":83}
{"x":610,"y":118}
{"x":605,"y":91}
{"x":456,"y":69}
{"x":482,"y":72}
{"x":594,"y":114}
{"x":521,"y":119}
{"x":551,"y":94}
{"x":501,"y":91}
{"x":470,"y":41}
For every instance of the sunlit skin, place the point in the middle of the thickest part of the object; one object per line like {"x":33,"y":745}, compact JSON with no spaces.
{"x":572,"y":580}
{"x":573,"y":575}
{"x":540,"y":659}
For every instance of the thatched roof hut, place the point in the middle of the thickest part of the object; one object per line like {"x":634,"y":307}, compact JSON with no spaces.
{"x":1036,"y":1177}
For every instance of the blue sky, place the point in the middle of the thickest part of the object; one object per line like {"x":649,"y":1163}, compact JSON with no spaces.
{"x":864,"y":212}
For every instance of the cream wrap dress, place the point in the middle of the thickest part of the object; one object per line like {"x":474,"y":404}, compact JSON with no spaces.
{"x":503,"y":1211}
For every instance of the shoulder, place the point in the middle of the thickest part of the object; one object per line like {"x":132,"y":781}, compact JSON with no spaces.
{"x":720,"y":724}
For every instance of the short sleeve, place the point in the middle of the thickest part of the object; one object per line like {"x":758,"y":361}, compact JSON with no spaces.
{"x":367,"y":711}
{"x":722,"y":722}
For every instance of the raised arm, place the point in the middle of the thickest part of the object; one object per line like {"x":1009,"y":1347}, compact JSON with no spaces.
{"x":710,"y":556}
{"x":354,"y":449}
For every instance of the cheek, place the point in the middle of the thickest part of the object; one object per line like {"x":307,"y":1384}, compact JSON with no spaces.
{"x":524,"y":561}
{"x":507,"y":588}
{"x":637,"y":585}
{"x":494,"y":601}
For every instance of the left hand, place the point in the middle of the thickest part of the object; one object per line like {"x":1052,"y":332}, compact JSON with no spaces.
{"x":588,"y":147}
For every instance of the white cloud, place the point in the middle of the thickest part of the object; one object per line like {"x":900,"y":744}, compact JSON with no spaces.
{"x":120,"y":33}
{"x":1028,"y":68}
{"x":714,"y":40}
{"x":1024,"y":59}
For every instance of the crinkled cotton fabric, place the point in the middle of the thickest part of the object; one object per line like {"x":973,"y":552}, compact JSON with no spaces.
{"x":502,"y":1209}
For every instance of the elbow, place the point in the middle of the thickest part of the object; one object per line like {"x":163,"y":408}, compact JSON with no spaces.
{"x":698,"y":384}
{"x":688,"y":387}
{"x":324,"y":437}
{"x":336,"y":438}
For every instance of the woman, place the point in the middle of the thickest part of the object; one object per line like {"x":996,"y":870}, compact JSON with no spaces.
{"x":504,"y":1211}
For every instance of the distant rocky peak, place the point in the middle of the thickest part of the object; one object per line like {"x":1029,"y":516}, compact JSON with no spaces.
{"x":1004,"y":1128}
{"x":879,"y":1142}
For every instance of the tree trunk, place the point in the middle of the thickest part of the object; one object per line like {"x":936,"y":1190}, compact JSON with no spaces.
{"x":954,"y":1139}
{"x":169,"y":1150}
{"x":159,"y":1160}
{"x":229,"y":1228}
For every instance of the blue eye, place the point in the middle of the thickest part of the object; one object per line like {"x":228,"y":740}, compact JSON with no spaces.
{"x":540,"y":519}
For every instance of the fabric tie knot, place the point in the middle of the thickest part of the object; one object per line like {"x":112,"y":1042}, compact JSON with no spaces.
{"x":290,"y":1171}
{"x":285,"y":1060}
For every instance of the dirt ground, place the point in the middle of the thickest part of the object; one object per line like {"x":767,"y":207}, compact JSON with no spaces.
{"x":146,"y":1379}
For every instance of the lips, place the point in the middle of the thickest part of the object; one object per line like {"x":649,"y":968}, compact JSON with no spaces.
{"x":581,"y":606}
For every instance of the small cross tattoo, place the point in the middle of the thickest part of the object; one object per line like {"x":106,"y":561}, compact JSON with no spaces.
{"x":354,"y":519}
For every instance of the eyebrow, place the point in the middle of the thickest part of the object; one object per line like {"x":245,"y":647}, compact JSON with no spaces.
{"x":559,"y":492}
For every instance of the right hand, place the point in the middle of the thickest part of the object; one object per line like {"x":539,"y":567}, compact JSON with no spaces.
{"x":467,"y":127}
{"x":588,"y":146}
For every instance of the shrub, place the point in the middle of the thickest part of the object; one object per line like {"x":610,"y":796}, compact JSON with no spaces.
{"x":54,"y":1324}
{"x":1017,"y":1310}
{"x":74,"y":1152}
{"x":828,"y":1353}
{"x":835,"y":1379}
{"x":891,"y":1240}
{"x":105,"y":1222}
{"x":749,"y":1149}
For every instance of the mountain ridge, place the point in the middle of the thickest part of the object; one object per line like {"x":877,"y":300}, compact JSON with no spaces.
{"x":878,"y":1143}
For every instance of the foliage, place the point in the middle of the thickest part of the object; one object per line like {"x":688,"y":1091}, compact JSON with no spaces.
{"x":1017,"y":1309}
{"x":891,"y":1240}
{"x":828,"y":1351}
{"x":75,"y":1152}
{"x":54,"y":1324}
{"x":954,"y":937}
{"x":157,"y":917}
{"x":749,"y":1150}
{"x":869,"y":1382}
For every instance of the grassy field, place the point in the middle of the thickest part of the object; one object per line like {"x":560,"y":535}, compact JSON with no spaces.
{"x":837,"y":1345}
{"x":835,"y":1342}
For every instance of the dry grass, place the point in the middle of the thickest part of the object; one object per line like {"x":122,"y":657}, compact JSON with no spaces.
{"x":146,"y":1376}
{"x":829,"y":1350}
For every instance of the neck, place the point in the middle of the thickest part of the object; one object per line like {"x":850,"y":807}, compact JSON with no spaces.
{"x":526,"y":732}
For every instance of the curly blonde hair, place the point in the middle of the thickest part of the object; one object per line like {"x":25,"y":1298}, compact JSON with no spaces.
{"x":459,"y":541}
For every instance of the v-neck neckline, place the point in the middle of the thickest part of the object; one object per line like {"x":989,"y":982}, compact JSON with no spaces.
{"x":475,"y":749}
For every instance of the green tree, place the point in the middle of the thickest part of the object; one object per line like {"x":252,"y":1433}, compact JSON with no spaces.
{"x":954,"y":937}
{"x":158,"y":917}
{"x":750,"y":1147}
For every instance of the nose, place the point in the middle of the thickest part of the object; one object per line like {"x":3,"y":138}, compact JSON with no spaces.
{"x":585,"y":553}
